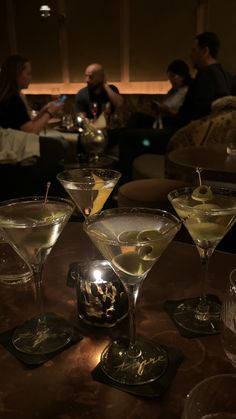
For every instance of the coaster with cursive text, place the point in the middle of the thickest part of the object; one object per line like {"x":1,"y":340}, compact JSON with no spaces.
{"x":32,"y":360}
{"x":153,"y":389}
{"x":181,"y":313}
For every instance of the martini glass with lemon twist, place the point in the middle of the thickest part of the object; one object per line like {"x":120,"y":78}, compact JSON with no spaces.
{"x":208,"y":214}
{"x":132,"y":240}
{"x":32,"y":225}
{"x":89,"y":187}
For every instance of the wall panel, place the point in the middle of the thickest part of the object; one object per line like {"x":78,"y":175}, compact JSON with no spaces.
{"x":4,"y":35}
{"x":221,"y":19}
{"x":93,"y":36}
{"x":160,"y":31}
{"x":38,"y":39}
{"x":135,"y":40}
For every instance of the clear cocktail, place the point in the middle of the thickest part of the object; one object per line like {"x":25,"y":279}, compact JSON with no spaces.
{"x":33,"y":226}
{"x":132,"y":240}
{"x":208,"y":214}
{"x":89,"y":187}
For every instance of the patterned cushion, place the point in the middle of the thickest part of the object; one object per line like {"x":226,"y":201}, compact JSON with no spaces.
{"x":224,"y":103}
{"x":212,"y":129}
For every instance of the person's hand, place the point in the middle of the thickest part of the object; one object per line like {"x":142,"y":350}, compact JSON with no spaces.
{"x":54,"y":107}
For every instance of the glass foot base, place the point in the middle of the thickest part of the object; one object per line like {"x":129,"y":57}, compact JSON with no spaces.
{"x":145,"y":363}
{"x":188,"y":317}
{"x":30,"y":339}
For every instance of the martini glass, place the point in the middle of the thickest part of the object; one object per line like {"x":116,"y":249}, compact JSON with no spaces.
{"x":89,"y":187}
{"x":32,"y":225}
{"x":132,"y":240}
{"x":208,"y":214}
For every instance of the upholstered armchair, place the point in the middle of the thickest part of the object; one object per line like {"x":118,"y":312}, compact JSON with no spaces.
{"x":154,"y":175}
{"x":212,"y":129}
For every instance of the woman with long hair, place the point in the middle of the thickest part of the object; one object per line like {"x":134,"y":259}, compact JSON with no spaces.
{"x":15,"y":75}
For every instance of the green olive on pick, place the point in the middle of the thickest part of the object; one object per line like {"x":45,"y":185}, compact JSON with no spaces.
{"x":202,"y":193}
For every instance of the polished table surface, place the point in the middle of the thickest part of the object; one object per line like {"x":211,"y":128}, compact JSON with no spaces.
{"x":63,"y":387}
{"x":215,"y":161}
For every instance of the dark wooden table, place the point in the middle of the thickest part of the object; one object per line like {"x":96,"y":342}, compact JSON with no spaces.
{"x":63,"y":388}
{"x":215,"y":161}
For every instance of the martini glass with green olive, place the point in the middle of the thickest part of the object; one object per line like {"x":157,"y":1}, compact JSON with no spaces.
{"x":208,"y":214}
{"x":132,"y":240}
{"x":32,"y":225}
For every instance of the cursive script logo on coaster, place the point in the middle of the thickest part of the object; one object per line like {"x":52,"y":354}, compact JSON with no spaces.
{"x":139,"y":366}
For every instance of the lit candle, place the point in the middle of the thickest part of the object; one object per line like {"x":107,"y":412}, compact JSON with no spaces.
{"x":101,"y":298}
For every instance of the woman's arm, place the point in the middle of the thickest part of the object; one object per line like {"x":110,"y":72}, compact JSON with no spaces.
{"x":40,"y":121}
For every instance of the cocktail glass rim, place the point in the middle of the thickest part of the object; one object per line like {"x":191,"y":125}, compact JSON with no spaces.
{"x":133,"y":210}
{"x":86,"y":180}
{"x":186,"y":191}
{"x":32,"y":199}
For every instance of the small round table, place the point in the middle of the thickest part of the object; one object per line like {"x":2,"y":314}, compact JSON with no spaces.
{"x":216,"y":163}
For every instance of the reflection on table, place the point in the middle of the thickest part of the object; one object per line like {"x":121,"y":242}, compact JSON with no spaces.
{"x":63,"y":388}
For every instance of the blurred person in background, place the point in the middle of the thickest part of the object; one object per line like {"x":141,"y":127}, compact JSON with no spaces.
{"x":15,"y":75}
{"x":99,"y":92}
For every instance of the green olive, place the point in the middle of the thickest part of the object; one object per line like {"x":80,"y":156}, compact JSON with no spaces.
{"x":202,"y":193}
{"x":128,"y":236}
{"x":155,"y":248}
{"x":149,"y":235}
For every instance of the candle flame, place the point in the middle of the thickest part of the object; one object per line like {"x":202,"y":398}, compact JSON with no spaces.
{"x":97,"y":274}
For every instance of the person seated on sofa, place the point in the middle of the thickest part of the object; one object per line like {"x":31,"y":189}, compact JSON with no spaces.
{"x":143,"y":133}
{"x":99,"y":98}
{"x":97,"y":91}
{"x":211,"y":82}
{"x":15,"y":114}
{"x":15,"y":75}
{"x":180,"y":79}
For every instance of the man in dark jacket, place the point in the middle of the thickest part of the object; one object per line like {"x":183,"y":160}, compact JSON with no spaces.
{"x":211,"y":81}
{"x":98,"y":92}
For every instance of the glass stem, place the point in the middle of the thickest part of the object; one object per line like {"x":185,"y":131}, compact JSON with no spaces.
{"x":37,"y":269}
{"x":202,"y":309}
{"x":132,"y":292}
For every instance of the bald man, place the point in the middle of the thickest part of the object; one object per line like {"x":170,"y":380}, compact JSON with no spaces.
{"x":98,"y":91}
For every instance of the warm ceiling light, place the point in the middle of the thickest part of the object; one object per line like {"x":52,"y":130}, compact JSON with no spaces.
{"x":45,"y":10}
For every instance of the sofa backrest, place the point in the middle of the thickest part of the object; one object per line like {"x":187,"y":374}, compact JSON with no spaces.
{"x":132,"y":103}
{"x":212,"y":129}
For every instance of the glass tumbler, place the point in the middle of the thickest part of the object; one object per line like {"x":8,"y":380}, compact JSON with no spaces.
{"x":67,"y":122}
{"x":228,"y":320}
{"x":101,"y":298}
{"x":212,"y":398}
{"x":13,"y":269}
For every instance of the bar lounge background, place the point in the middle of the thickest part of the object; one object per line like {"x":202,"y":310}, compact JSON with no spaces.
{"x":134,"y":39}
